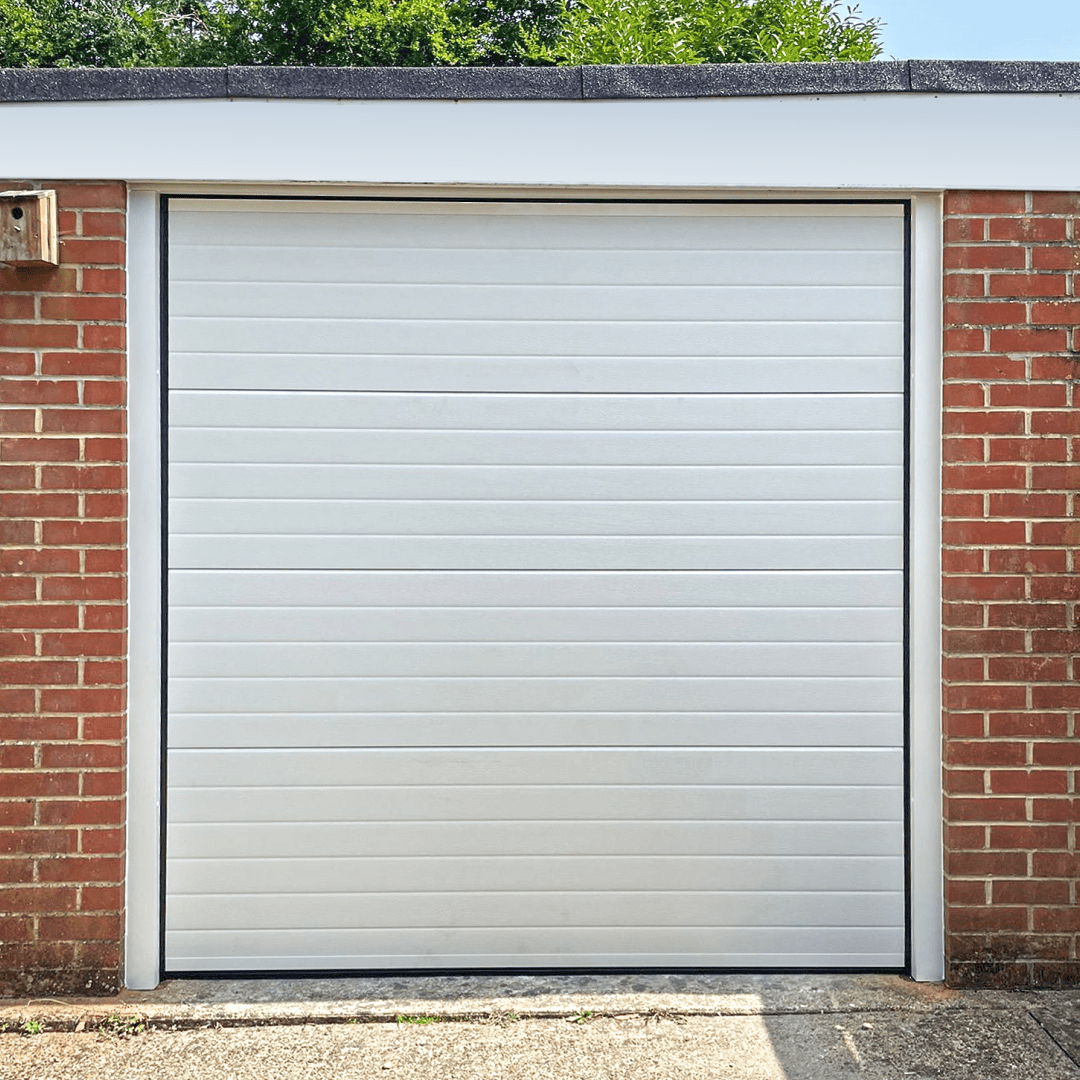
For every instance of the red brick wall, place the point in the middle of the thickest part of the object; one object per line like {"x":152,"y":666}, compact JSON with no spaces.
{"x":62,"y":615}
{"x":1012,"y":465}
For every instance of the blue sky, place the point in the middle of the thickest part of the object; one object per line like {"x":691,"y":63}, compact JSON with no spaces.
{"x":978,"y":29}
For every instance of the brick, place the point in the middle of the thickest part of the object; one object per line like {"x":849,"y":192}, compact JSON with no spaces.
{"x":102,"y":392}
{"x":37,"y":728}
{"x":1029,"y":339}
{"x":78,"y":927}
{"x":102,"y":841}
{"x":104,"y":281}
{"x":105,"y":561}
{"x":1055,"y":258}
{"x":103,"y":728}
{"x":1056,"y":864}
{"x":83,"y":363}
{"x":15,"y":306}
{"x":16,"y":757}
{"x":82,"y":477}
{"x":104,"y":672}
{"x":954,"y":449}
{"x":1038,"y":449}
{"x":1063,"y":754}
{"x":82,"y":308}
{"x":1030,"y":560}
{"x":986,"y":863}
{"x":19,"y":561}
{"x":1056,"y":313}
{"x":84,"y":700}
{"x":40,"y":899}
{"x":105,"y":450}
{"x":1065,"y":422}
{"x":34,"y":505}
{"x":1028,"y":837}
{"x":1028,"y":668}
{"x":985,"y":202}
{"x":103,"y":224}
{"x":961,"y":561}
{"x":968,"y":285}
{"x":1056,"y":533}
{"x":990,"y":696}
{"x":1055,"y":588}
{"x":986,"y":918}
{"x":984,"y":313}
{"x":965,"y":782}
{"x":963,"y":668}
{"x":81,"y":756}
{"x":960,"y":893}
{"x":82,"y":589}
{"x":38,"y":335}
{"x":99,"y":252}
{"x":1055,"y":697}
{"x":1027,"y":285}
{"x":983,"y":587}
{"x":14,"y":588}
{"x":984,"y":422}
{"x":1053,"y":810}
{"x":1054,"y":367}
{"x":985,"y":257}
{"x":986,"y":754}
{"x":16,"y":532}
{"x":91,"y":868}
{"x":81,"y":812}
{"x":965,"y":230}
{"x":37,"y":841}
{"x":103,"y":783}
{"x":15,"y":449}
{"x":1029,"y":782}
{"x":964,"y":395}
{"x":978,"y":533}
{"x":1056,"y":920}
{"x":37,"y":672}
{"x":1030,"y":892}
{"x":1029,"y":725}
{"x":988,"y":810}
{"x":16,"y":363}
{"x":109,"y":421}
{"x":104,"y":336}
{"x":101,"y":898}
{"x":1043,"y":505}
{"x":959,"y":725}
{"x":1027,"y":615}
{"x":984,"y":366}
{"x":968,"y":615}
{"x":39,"y":392}
{"x":80,"y":533}
{"x":1029,"y":395}
{"x":1027,"y":230}
{"x":961,"y":506}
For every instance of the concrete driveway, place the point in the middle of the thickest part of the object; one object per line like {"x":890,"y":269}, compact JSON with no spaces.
{"x":625,"y":1027}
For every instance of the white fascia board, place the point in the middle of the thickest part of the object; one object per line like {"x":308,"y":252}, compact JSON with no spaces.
{"x":898,"y":141}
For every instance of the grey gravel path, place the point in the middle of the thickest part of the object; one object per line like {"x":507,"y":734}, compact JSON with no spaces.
{"x":563,"y":1028}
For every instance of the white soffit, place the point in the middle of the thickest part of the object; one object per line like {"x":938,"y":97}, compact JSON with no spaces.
{"x":847,"y":141}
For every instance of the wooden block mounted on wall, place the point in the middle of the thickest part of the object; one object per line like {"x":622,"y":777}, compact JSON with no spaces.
{"x":28,"y":228}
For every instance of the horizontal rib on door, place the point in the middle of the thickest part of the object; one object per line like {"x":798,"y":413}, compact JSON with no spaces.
{"x":536,"y":585}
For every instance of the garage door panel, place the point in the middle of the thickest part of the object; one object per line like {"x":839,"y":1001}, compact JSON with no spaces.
{"x":218,"y":806}
{"x":511,"y":553}
{"x":536,"y":590}
{"x":751,"y":265}
{"x":535,"y":728}
{"x":538,"y":909}
{"x":382,"y":301}
{"x":542,"y":766}
{"x":511,"y":875}
{"x":462,"y":337}
{"x":595,"y":838}
{"x":408,"y":591}
{"x":301,"y":625}
{"x":420,"y":947}
{"x":531,"y":517}
{"x":671,"y":414}
{"x":223,"y":480}
{"x":534,"y":659}
{"x":648,"y":448}
{"x":522,"y":695}
{"x":544,"y":374}
{"x":562,"y":227}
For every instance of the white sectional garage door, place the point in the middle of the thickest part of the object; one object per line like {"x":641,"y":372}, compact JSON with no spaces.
{"x":536,"y":585}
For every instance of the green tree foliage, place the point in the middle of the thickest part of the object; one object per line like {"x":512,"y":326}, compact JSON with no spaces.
{"x":167,"y":33}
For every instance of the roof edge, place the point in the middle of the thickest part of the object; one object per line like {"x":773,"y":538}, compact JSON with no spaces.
{"x":599,"y":82}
